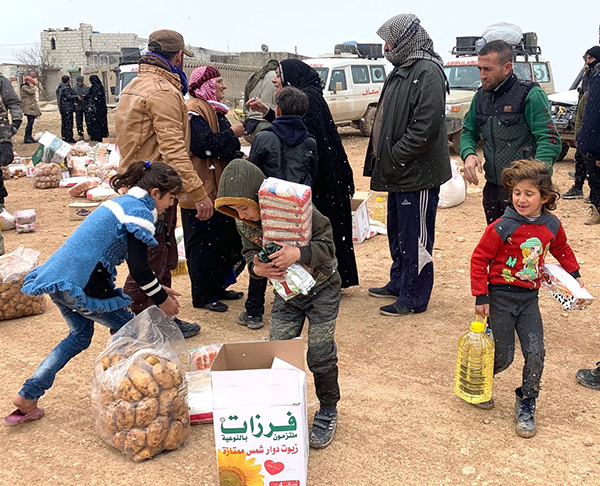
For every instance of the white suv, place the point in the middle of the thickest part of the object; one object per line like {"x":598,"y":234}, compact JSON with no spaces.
{"x":352,"y":88}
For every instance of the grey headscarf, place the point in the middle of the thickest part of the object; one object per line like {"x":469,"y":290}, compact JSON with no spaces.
{"x":410,"y":40}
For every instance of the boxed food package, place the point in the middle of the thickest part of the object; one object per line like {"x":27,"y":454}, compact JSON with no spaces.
{"x":259,"y":411}
{"x":101,"y":193}
{"x":51,"y":149}
{"x":13,"y":268}
{"x":80,"y":210}
{"x":139,"y":394}
{"x":85,"y":185}
{"x":565,"y":288}
{"x":25,"y":221}
{"x":286,"y":212}
{"x":47,"y":176}
{"x":360,"y":217}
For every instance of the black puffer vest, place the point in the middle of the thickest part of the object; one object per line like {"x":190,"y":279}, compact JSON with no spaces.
{"x":501,"y":119}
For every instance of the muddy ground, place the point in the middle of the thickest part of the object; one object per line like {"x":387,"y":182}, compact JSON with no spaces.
{"x":400,"y":422}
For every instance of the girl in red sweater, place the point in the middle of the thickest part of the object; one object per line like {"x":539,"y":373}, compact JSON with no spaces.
{"x":505,"y":277}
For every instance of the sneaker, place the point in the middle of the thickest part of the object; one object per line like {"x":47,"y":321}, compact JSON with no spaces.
{"x":230,"y":295}
{"x":188,"y":329}
{"x":251,"y":322}
{"x":573,"y":193}
{"x":216,"y":306}
{"x":593,"y":216}
{"x":381,"y":292}
{"x":323,"y":429}
{"x":525,"y":415}
{"x":590,"y":378}
{"x":485,"y":405}
{"x":394,"y":309}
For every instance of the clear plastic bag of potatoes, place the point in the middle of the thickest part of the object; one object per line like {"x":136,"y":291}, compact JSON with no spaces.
{"x":13,"y":268}
{"x":139,"y":392}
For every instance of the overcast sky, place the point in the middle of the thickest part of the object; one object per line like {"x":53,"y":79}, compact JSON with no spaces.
{"x":565,"y":29}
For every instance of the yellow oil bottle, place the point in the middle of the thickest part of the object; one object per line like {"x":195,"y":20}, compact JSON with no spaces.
{"x":379,"y":211}
{"x":475,"y":365}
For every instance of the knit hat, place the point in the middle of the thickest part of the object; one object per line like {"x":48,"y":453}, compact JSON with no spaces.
{"x":239,"y":186}
{"x":79,"y":78}
{"x":29,"y":80}
{"x":593,"y":52}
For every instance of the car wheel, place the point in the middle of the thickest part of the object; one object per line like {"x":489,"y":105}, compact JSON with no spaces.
{"x":365,"y":124}
{"x":563,"y":152}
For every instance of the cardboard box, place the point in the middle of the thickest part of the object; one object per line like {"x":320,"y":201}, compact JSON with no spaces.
{"x":360,"y":217}
{"x":565,"y":288}
{"x":81,"y":210}
{"x":259,"y":411}
{"x":51,"y":149}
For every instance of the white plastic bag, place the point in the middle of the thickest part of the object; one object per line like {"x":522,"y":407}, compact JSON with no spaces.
{"x":7,"y":221}
{"x":509,"y":33}
{"x":454,"y":191}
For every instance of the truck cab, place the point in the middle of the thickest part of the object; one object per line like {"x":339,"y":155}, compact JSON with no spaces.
{"x":463,"y":77}
{"x":124,"y":74}
{"x":352,"y":84}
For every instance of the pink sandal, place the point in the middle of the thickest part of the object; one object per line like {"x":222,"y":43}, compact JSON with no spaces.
{"x":18,"y":417}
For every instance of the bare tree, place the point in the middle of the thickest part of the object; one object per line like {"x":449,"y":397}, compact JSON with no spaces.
{"x":38,"y":61}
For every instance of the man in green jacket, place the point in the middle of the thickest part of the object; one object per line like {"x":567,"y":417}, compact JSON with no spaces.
{"x":408,"y":158}
{"x":513,"y":118}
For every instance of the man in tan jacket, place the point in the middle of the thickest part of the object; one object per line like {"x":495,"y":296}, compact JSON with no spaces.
{"x":152,"y":124}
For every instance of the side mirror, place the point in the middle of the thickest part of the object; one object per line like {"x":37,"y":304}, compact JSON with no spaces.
{"x":112,"y":90}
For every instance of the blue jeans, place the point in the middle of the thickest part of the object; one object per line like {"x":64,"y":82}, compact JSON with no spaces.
{"x":81,"y":330}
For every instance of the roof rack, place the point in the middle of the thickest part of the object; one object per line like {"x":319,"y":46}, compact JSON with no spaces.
{"x":468,"y":46}
{"x":365,"y":51}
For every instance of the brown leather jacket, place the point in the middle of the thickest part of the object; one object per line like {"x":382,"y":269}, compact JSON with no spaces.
{"x":152,"y":124}
{"x":211,"y":168}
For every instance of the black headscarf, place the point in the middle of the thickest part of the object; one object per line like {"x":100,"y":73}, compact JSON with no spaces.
{"x":333,"y":186}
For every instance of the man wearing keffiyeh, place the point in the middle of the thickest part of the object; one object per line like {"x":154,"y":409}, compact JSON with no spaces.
{"x":408,"y":158}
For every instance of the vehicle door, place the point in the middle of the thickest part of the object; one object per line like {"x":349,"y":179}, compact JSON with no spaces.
{"x":337,"y":94}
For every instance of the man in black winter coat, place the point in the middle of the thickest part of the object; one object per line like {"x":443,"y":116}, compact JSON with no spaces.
{"x":408,"y":158}
{"x":66,"y":106}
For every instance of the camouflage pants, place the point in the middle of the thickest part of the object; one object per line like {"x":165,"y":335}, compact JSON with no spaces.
{"x":321,"y":307}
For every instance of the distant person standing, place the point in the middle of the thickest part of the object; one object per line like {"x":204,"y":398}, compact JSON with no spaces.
{"x":152,"y":124}
{"x":96,"y":119}
{"x":9,"y":101}
{"x":512,"y":116}
{"x":591,"y":58}
{"x":408,"y":158}
{"x":81,"y":90}
{"x":30,"y":107}
{"x":66,"y":106}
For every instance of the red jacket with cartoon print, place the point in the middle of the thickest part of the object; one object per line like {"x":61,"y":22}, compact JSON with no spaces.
{"x":512,"y":252}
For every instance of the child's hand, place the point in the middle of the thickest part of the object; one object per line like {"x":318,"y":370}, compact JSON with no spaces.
{"x":286,"y":256}
{"x":482,"y":310}
{"x":173,"y":294}
{"x":268,"y":270}
{"x":580,"y":280}
{"x":170,"y":307}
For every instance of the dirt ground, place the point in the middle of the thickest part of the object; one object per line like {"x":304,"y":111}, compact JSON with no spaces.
{"x":400,"y":422}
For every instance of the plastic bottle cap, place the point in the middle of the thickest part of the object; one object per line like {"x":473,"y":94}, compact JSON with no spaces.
{"x":477,"y":326}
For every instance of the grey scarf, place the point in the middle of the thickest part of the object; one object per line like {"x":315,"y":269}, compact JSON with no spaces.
{"x":409,"y":39}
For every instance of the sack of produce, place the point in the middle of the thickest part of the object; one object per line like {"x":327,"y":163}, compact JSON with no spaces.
{"x":139,"y":394}
{"x":47,"y":176}
{"x":13,"y":268}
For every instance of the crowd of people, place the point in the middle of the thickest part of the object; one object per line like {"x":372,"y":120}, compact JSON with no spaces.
{"x":187,"y":153}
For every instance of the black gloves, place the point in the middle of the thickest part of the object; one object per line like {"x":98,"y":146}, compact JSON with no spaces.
{"x":15,"y":125}
{"x":6,"y":154}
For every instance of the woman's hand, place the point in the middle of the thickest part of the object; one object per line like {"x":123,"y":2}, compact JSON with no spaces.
{"x":256,"y":104}
{"x":238,"y":129}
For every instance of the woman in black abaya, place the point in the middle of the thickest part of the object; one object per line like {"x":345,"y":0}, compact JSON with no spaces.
{"x":333,"y":186}
{"x":97,"y":123}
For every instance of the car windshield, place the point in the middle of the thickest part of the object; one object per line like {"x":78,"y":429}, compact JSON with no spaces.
{"x":463,"y":77}
{"x":323,"y":72}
